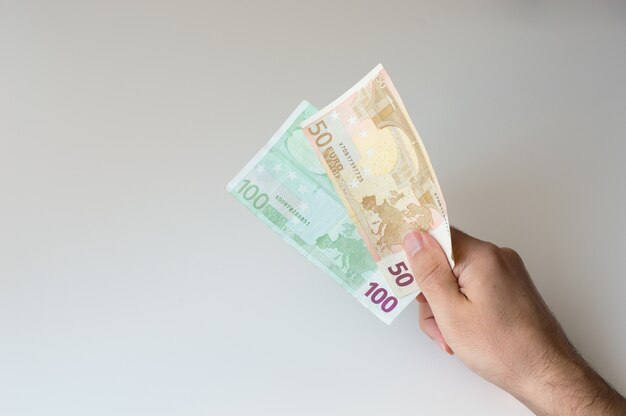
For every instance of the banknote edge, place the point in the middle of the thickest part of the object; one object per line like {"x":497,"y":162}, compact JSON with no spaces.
{"x":272,"y":141}
{"x":261,"y":153}
{"x":434,"y":172}
{"x":344,"y":96}
{"x":318,"y":265}
{"x":341,"y":98}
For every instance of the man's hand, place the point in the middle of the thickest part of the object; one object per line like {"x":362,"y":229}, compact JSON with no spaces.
{"x":489,"y":313}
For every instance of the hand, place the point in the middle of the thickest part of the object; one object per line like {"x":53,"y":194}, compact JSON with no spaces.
{"x":489,"y":313}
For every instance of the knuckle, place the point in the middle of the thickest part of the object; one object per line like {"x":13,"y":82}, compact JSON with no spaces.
{"x":422,"y":322}
{"x":492,"y":250}
{"x":511,"y":254}
{"x":488,"y":253}
{"x":512,"y":260}
{"x":495,"y":258}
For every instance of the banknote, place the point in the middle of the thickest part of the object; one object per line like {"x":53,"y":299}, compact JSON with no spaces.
{"x":286,"y":187}
{"x":378,"y":165}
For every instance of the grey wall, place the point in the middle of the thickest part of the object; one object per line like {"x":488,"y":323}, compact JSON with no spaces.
{"x":131,"y":283}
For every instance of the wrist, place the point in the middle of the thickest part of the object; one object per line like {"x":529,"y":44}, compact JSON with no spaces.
{"x":557,"y":387}
{"x":567,"y":385}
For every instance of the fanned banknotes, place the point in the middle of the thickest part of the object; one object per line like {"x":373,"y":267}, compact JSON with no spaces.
{"x":378,"y":165}
{"x":286,"y":187}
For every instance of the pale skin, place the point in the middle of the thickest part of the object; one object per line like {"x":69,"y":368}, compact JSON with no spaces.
{"x":488,"y":313}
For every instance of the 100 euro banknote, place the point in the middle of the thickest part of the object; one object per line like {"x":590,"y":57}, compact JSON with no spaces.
{"x":379,"y":167}
{"x":286,"y":187}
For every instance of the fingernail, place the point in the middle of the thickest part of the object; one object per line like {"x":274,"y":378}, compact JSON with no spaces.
{"x":413,"y":243}
{"x":445,"y":348}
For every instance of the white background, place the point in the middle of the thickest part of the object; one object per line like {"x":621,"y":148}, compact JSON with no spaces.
{"x":131,"y":283}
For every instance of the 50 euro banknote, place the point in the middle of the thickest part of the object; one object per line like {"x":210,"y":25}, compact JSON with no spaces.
{"x":286,"y":187}
{"x":378,"y":165}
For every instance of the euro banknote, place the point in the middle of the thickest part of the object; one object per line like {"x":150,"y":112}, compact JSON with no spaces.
{"x":377,"y":163}
{"x":286,"y":187}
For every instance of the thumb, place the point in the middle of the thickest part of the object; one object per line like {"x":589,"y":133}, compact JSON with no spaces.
{"x":431,"y":269}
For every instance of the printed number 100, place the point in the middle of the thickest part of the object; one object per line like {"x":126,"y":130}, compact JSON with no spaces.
{"x":251,"y":193}
{"x":381,"y":297}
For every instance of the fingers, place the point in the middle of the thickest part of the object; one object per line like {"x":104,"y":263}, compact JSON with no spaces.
{"x":431,"y":270}
{"x":430,"y":327}
{"x":441,"y":295}
{"x":460,"y":241}
{"x":463,"y":245}
{"x":420,"y":298}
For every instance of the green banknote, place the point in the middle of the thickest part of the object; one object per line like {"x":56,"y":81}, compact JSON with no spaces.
{"x":286,"y":187}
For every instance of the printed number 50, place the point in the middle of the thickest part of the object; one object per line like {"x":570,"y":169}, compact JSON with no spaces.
{"x":402,"y":279}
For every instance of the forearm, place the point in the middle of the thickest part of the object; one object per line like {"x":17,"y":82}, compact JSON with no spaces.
{"x":572,"y":387}
{"x":489,"y":312}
